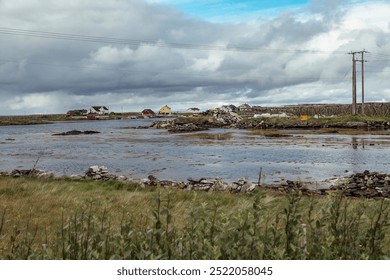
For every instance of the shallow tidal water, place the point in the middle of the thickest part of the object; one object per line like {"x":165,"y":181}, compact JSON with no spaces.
{"x":225,"y":153}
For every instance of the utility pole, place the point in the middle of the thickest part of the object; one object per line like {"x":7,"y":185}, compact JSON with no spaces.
{"x":353,"y":83}
{"x":362,"y":61}
{"x":354,"y":60}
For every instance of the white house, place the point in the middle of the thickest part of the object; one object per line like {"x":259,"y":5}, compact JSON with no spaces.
{"x":98,"y":110}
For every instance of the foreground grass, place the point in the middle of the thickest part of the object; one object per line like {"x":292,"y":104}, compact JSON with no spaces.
{"x":68,"y":219}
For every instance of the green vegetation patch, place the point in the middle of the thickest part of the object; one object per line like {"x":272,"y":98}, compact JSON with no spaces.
{"x":72,"y":219}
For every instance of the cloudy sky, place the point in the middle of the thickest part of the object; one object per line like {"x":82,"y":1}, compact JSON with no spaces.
{"x":57,"y":55}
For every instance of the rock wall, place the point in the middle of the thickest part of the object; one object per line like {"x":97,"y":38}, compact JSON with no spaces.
{"x":361,"y":185}
{"x":367,"y":184}
{"x":370,"y":109}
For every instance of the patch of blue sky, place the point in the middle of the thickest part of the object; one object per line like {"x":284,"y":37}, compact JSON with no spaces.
{"x":248,"y":10}
{"x":233,"y":10}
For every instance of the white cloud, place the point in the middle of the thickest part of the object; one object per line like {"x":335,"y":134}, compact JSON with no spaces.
{"x":112,"y":55}
{"x":48,"y":102}
{"x":370,"y":15}
{"x":268,"y":66}
{"x":211,"y":63}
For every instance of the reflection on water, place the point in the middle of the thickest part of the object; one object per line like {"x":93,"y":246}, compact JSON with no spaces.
{"x":228,"y":154}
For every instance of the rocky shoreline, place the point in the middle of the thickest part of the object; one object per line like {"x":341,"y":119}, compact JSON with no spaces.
{"x":220,"y":119}
{"x":372,"y":185}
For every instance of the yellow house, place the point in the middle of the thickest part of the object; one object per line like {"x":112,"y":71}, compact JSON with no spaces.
{"x":165,"y":111}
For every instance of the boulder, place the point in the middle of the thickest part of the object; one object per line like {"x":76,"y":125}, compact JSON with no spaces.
{"x":99,"y":173}
{"x":242,"y":185}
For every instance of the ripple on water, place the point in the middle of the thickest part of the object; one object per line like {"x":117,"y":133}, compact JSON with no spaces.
{"x":229,"y":154}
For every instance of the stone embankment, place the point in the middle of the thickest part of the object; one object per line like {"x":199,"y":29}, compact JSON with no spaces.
{"x":367,"y":184}
{"x":212,"y":119}
{"x":203,"y":184}
{"x":28,"y":172}
{"x":101,"y":173}
{"x":219,"y":119}
{"x":361,"y":185}
{"x":265,"y":124}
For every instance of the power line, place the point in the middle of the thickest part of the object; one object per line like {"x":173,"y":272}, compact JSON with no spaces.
{"x":124,"y":70}
{"x":379,"y":54}
{"x":159,"y":44}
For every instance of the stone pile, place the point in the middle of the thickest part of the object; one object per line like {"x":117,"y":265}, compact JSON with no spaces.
{"x":99,"y":173}
{"x":176,"y":126}
{"x":378,"y":124}
{"x":30,"y":172}
{"x":152,"y":182}
{"x":296,"y":185}
{"x":211,"y":119}
{"x":164,"y":124}
{"x":242,"y":185}
{"x":187,"y":127}
{"x":204,"y":184}
{"x":225,"y":118}
{"x":367,"y":184}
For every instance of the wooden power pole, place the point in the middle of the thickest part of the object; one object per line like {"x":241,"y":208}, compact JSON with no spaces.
{"x":362,"y":61}
{"x":353,"y":83}
{"x":354,"y":60}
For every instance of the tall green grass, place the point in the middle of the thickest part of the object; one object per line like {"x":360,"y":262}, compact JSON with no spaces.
{"x":176,"y":224}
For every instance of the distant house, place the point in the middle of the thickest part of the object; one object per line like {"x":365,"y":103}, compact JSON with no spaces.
{"x":99,"y":110}
{"x":148,"y":113}
{"x":193,"y":110}
{"x":245,"y":108}
{"x":166,"y":111}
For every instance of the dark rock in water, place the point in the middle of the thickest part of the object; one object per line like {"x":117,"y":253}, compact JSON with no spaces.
{"x":277,"y":135}
{"x":75,"y":132}
{"x":91,"y":132}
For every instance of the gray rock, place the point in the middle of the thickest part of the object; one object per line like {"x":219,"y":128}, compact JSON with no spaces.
{"x":93,"y":169}
{"x":122,"y":178}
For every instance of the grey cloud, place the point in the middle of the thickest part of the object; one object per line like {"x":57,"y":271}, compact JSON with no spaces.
{"x":292,"y":31}
{"x":76,"y":72}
